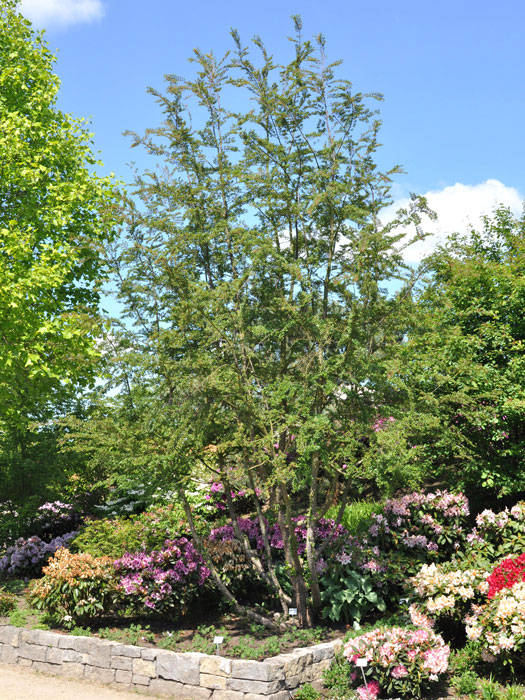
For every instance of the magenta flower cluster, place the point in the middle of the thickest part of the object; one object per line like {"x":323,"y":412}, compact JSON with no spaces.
{"x":162,"y":579}
{"x":241,"y":498}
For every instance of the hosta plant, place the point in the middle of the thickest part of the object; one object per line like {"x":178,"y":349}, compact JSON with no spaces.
{"x":399,"y":661}
{"x":348,"y":595}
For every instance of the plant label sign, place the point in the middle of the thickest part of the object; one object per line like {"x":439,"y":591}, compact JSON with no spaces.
{"x":362,"y":663}
{"x":218,"y":640}
{"x":292,"y":612}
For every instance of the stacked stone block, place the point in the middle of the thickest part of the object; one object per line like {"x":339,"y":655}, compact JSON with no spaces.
{"x":187,"y":676}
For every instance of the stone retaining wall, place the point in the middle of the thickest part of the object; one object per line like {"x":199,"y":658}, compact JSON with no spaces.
{"x":189,"y":676}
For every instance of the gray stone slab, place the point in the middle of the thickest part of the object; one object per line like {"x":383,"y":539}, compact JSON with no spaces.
{"x":184,"y":668}
{"x":32,"y":651}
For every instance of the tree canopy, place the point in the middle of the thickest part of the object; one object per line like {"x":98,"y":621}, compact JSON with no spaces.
{"x":53,"y":223}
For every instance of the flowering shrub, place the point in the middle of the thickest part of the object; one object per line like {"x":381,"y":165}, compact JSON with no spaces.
{"x":399,"y":660}
{"x":506,"y":574}
{"x":162,"y":579}
{"x":429,"y":526}
{"x":241,"y":499}
{"x":27,"y":556}
{"x":448,"y":592}
{"x":54,"y":519}
{"x":498,"y":534}
{"x":75,"y":587}
{"x":499,"y":626}
{"x":250,"y":526}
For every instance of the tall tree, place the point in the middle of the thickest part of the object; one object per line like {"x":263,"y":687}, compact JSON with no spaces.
{"x":463,"y":365}
{"x":255,"y":269}
{"x":52,"y":227}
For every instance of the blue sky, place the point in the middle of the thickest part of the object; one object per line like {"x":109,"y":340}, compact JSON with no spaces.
{"x":452,"y":74}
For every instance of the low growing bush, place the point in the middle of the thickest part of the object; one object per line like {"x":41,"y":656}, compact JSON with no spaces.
{"x":8,"y":602}
{"x":400,"y":661}
{"x":75,"y":588}
{"x":499,"y":626}
{"x":442,"y":591}
{"x":498,"y":535}
{"x":429,"y":527}
{"x":509,"y":572}
{"x":160,"y":580}
{"x":348,"y":595}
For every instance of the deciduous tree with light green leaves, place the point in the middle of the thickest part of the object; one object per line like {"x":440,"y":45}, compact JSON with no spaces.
{"x":52,"y":227}
{"x":255,"y":270}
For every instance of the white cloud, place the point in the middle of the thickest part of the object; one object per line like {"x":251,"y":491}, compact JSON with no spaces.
{"x":61,"y":12}
{"x":459,"y":209}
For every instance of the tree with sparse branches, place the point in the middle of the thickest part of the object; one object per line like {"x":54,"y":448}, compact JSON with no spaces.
{"x":264,"y":294}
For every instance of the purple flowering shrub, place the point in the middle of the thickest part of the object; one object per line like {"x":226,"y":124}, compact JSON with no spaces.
{"x":164,"y":579}
{"x":428,"y":527}
{"x":250,"y":526}
{"x":497,"y":535}
{"x":216,"y":499}
{"x":27,"y":556}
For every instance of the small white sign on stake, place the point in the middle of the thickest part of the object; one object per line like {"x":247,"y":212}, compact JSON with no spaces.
{"x":218,"y":641}
{"x":361,"y":663}
{"x":292,"y":612}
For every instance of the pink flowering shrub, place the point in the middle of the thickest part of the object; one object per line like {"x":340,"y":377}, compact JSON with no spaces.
{"x":164,"y":579}
{"x":429,"y":527}
{"x":400,"y":661}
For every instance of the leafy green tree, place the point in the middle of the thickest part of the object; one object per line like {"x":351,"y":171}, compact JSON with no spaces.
{"x":52,"y":227}
{"x":463,"y":367}
{"x":254,"y":268}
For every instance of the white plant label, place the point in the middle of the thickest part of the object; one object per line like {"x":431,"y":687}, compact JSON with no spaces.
{"x":292,"y":612}
{"x":218,"y":640}
{"x":362,"y":663}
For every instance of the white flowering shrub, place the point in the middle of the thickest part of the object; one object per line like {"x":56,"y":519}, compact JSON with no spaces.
{"x":499,"y":626}
{"x":445,"y":592}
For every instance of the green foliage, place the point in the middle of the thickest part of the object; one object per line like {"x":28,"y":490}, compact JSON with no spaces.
{"x":8,"y":601}
{"x":108,"y":538}
{"x":134,"y":634}
{"x":462,"y":368}
{"x":18,"y":617}
{"x":489,"y":689}
{"x":144,"y":532}
{"x":513,"y":692}
{"x":307,"y":692}
{"x":357,"y":515}
{"x":348,"y":595}
{"x":466,"y":683}
{"x":54,"y":218}
{"x":337,"y":677}
{"x":466,"y":659}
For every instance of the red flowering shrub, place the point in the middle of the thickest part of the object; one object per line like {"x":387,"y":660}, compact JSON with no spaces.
{"x":506,"y":574}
